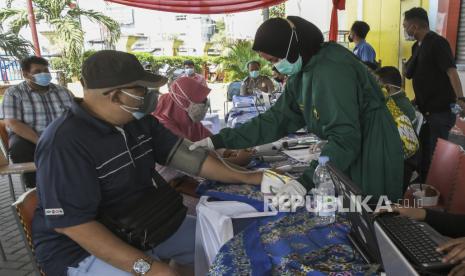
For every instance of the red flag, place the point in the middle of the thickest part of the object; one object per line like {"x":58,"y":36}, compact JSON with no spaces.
{"x":333,"y":27}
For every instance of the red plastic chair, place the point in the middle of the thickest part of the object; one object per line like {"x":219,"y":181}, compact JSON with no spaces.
{"x":457,"y":204}
{"x":443,"y":170}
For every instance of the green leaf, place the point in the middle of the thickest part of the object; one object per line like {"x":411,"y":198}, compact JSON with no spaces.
{"x":111,"y":25}
{"x":14,"y":45}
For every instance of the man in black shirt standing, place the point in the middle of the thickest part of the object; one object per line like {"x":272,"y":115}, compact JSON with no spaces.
{"x":435,"y":82}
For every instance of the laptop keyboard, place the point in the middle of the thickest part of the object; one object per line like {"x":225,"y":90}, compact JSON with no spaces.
{"x":413,"y":239}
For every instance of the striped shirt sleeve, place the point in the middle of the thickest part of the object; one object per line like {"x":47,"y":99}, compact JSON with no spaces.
{"x":11,"y":106}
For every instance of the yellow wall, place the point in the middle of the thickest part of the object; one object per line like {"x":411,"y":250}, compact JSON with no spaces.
{"x":386,"y":35}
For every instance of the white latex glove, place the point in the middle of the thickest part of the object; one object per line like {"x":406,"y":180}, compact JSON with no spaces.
{"x":272,"y":182}
{"x":292,"y":188}
{"x":205,"y":143}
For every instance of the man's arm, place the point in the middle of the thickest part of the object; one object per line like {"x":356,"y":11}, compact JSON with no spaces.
{"x":455,"y":81}
{"x":23,"y":130}
{"x":214,"y":169}
{"x":200,"y":162}
{"x":100,"y":242}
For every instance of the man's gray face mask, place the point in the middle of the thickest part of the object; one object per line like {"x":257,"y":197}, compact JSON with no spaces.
{"x":149,"y":104}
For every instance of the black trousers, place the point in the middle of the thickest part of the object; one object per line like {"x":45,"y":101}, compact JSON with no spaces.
{"x":22,"y":150}
{"x":437,"y":126}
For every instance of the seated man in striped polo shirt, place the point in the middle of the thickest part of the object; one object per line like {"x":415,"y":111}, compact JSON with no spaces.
{"x":29,"y":107}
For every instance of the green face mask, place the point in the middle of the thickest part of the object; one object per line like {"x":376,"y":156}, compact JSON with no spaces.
{"x":287,"y":68}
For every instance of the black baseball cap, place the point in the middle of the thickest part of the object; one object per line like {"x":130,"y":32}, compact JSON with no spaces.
{"x":110,"y":68}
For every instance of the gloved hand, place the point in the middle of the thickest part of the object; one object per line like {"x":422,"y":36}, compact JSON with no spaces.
{"x":292,"y":188}
{"x":272,"y":182}
{"x":205,"y":143}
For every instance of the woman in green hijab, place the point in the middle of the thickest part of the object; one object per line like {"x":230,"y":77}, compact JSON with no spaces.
{"x":330,"y":92}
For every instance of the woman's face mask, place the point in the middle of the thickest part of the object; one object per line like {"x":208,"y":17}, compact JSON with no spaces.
{"x":195,"y":111}
{"x":287,"y":68}
{"x":148,"y":104}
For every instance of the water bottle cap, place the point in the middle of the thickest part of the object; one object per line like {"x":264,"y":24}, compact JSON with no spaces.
{"x":322,"y":160}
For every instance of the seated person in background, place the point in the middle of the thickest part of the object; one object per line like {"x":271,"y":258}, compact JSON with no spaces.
{"x":279,"y":80}
{"x":450,"y":225}
{"x":363,"y":50}
{"x":181,"y":111}
{"x":255,"y":81}
{"x":189,"y":70}
{"x":390,"y":77}
{"x":29,"y":107}
{"x":103,"y":209}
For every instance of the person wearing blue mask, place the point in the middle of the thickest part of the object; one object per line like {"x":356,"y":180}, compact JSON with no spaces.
{"x":333,"y":95}
{"x":189,"y":71}
{"x":29,"y":107}
{"x":254,"y":81}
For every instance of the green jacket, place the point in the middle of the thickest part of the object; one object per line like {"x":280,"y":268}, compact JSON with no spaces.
{"x":338,"y":100}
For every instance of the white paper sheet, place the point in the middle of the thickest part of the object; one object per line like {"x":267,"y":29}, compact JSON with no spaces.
{"x":214,"y":228}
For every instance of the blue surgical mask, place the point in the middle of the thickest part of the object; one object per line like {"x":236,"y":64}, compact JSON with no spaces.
{"x":42,"y":79}
{"x":189,"y":71}
{"x":287,"y":68}
{"x":254,"y":74}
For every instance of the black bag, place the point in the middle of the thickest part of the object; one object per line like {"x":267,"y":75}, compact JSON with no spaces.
{"x":149,"y":220}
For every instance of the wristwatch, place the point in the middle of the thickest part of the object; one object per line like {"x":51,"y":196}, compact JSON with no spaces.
{"x":141,"y":266}
{"x":461,"y":99}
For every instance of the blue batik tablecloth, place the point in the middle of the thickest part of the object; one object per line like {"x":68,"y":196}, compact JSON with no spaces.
{"x":290,"y":244}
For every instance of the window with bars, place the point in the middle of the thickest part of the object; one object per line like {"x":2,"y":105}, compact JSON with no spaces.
{"x":460,"y":52}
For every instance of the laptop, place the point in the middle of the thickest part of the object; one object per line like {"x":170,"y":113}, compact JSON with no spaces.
{"x":400,"y":245}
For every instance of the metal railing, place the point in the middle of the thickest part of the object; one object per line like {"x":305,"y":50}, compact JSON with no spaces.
{"x":10,"y":69}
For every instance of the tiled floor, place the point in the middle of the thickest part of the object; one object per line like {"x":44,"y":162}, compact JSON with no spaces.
{"x":18,"y":261}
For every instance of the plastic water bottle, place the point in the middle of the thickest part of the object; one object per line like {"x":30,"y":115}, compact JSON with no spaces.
{"x":455,"y":108}
{"x":325,"y":193}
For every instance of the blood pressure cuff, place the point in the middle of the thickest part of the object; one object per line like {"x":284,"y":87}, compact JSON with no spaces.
{"x":186,"y":160}
{"x":148,"y":219}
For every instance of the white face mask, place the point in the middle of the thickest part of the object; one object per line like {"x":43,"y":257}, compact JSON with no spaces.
{"x":196,"y":111}
{"x":398,"y":91}
{"x":407,"y":36}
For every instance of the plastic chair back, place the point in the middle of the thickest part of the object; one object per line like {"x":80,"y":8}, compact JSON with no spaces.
{"x":443,"y":170}
{"x":23,"y":210}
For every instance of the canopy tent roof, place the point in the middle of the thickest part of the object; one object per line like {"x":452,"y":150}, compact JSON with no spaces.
{"x":200,"y":6}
